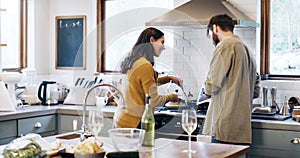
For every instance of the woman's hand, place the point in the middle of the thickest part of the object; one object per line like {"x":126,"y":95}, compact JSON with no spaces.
{"x":173,"y":98}
{"x":177,"y":81}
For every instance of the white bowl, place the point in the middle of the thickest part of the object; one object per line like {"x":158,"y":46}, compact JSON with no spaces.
{"x":127,"y":139}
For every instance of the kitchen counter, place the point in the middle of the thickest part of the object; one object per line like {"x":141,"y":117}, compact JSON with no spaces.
{"x":21,"y":121}
{"x":39,"y":110}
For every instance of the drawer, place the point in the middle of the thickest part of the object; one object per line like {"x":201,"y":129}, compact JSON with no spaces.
{"x":40,"y":124}
{"x":275,"y":139}
{"x":8,"y":129}
{"x":66,"y":123}
{"x":274,"y":153}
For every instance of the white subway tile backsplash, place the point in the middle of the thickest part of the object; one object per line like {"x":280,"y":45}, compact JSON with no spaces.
{"x":190,"y":51}
{"x":194,"y":51}
{"x":182,"y":42}
{"x":194,"y":34}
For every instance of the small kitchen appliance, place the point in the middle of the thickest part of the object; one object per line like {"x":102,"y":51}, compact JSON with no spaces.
{"x":48,"y":93}
{"x":10,"y":79}
{"x":29,"y":80}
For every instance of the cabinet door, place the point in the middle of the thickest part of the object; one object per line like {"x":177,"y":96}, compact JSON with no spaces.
{"x":277,"y":142}
{"x":41,"y":124}
{"x":8,"y":131}
{"x":66,"y":124}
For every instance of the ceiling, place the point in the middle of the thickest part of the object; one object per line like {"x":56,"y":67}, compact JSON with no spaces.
{"x":246,"y":6}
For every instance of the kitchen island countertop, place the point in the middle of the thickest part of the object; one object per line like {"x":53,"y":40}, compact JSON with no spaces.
{"x":173,"y":148}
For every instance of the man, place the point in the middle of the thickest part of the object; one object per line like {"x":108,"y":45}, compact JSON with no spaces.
{"x":230,"y":84}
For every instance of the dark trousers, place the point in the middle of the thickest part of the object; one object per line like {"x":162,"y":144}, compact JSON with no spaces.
{"x":214,"y":140}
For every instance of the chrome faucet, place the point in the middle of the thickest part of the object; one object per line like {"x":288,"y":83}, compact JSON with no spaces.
{"x":121,"y":102}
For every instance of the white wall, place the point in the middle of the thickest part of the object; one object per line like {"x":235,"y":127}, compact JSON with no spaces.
{"x":38,"y":36}
{"x":189,"y":55}
{"x":41,"y":51}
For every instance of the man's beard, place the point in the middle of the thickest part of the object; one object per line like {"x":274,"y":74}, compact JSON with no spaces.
{"x":215,"y":39}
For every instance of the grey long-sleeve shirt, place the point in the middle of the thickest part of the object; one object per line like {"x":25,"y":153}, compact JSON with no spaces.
{"x":230,"y":82}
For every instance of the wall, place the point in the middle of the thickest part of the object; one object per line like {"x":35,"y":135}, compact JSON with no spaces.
{"x":188,"y":56}
{"x":41,"y":35}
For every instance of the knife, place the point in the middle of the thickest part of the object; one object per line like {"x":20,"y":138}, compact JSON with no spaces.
{"x":77,"y":81}
{"x":81,"y":81}
{"x":100,"y":81}
{"x":91,"y":83}
{"x":95,"y":80}
{"x":86,"y":83}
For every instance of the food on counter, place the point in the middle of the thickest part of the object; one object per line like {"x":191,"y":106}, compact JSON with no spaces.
{"x":29,"y":146}
{"x":89,"y":146}
{"x":29,"y":149}
{"x":296,"y":115}
{"x":261,"y":110}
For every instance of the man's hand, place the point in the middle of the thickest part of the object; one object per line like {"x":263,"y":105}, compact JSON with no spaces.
{"x":207,"y":96}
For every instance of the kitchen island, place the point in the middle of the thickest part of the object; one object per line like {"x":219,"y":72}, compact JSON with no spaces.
{"x":170,"y":148}
{"x":269,"y":136}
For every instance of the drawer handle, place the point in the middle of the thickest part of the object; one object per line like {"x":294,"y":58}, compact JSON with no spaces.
{"x":37,"y":125}
{"x":295,"y":141}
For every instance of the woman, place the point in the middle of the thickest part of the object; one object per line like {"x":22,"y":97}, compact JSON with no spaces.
{"x":141,"y":79}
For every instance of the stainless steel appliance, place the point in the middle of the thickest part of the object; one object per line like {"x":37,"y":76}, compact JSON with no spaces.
{"x":168,"y":125}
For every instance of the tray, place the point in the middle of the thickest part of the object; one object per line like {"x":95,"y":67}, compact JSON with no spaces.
{"x":263,"y":113}
{"x":271,"y":117}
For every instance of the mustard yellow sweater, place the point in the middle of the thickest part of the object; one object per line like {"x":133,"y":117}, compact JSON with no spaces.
{"x":140,"y":80}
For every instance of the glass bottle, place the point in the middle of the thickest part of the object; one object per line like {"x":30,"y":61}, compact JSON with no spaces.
{"x":148,"y":123}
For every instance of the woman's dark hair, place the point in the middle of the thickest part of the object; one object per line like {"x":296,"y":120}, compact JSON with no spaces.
{"x":224,"y":21}
{"x":142,"y":47}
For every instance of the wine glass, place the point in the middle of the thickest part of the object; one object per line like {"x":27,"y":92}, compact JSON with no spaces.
{"x":95,"y":121}
{"x":189,"y":124}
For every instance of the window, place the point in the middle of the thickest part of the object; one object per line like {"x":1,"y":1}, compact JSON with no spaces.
{"x":280,"y":36}
{"x":13,"y":34}
{"x":123,"y":21}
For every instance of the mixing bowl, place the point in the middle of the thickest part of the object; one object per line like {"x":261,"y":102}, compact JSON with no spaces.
{"x":126,"y":139}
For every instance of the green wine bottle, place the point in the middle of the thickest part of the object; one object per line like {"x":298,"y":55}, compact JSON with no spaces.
{"x":148,"y":124}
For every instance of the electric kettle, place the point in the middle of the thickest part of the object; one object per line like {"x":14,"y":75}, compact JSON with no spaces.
{"x":48,"y":93}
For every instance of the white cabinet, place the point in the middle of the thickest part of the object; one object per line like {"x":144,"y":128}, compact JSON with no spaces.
{"x":274,"y":143}
{"x":1,"y":44}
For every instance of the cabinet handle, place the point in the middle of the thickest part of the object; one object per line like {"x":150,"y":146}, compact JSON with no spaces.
{"x":1,"y":130}
{"x":295,"y":141}
{"x":37,"y":125}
